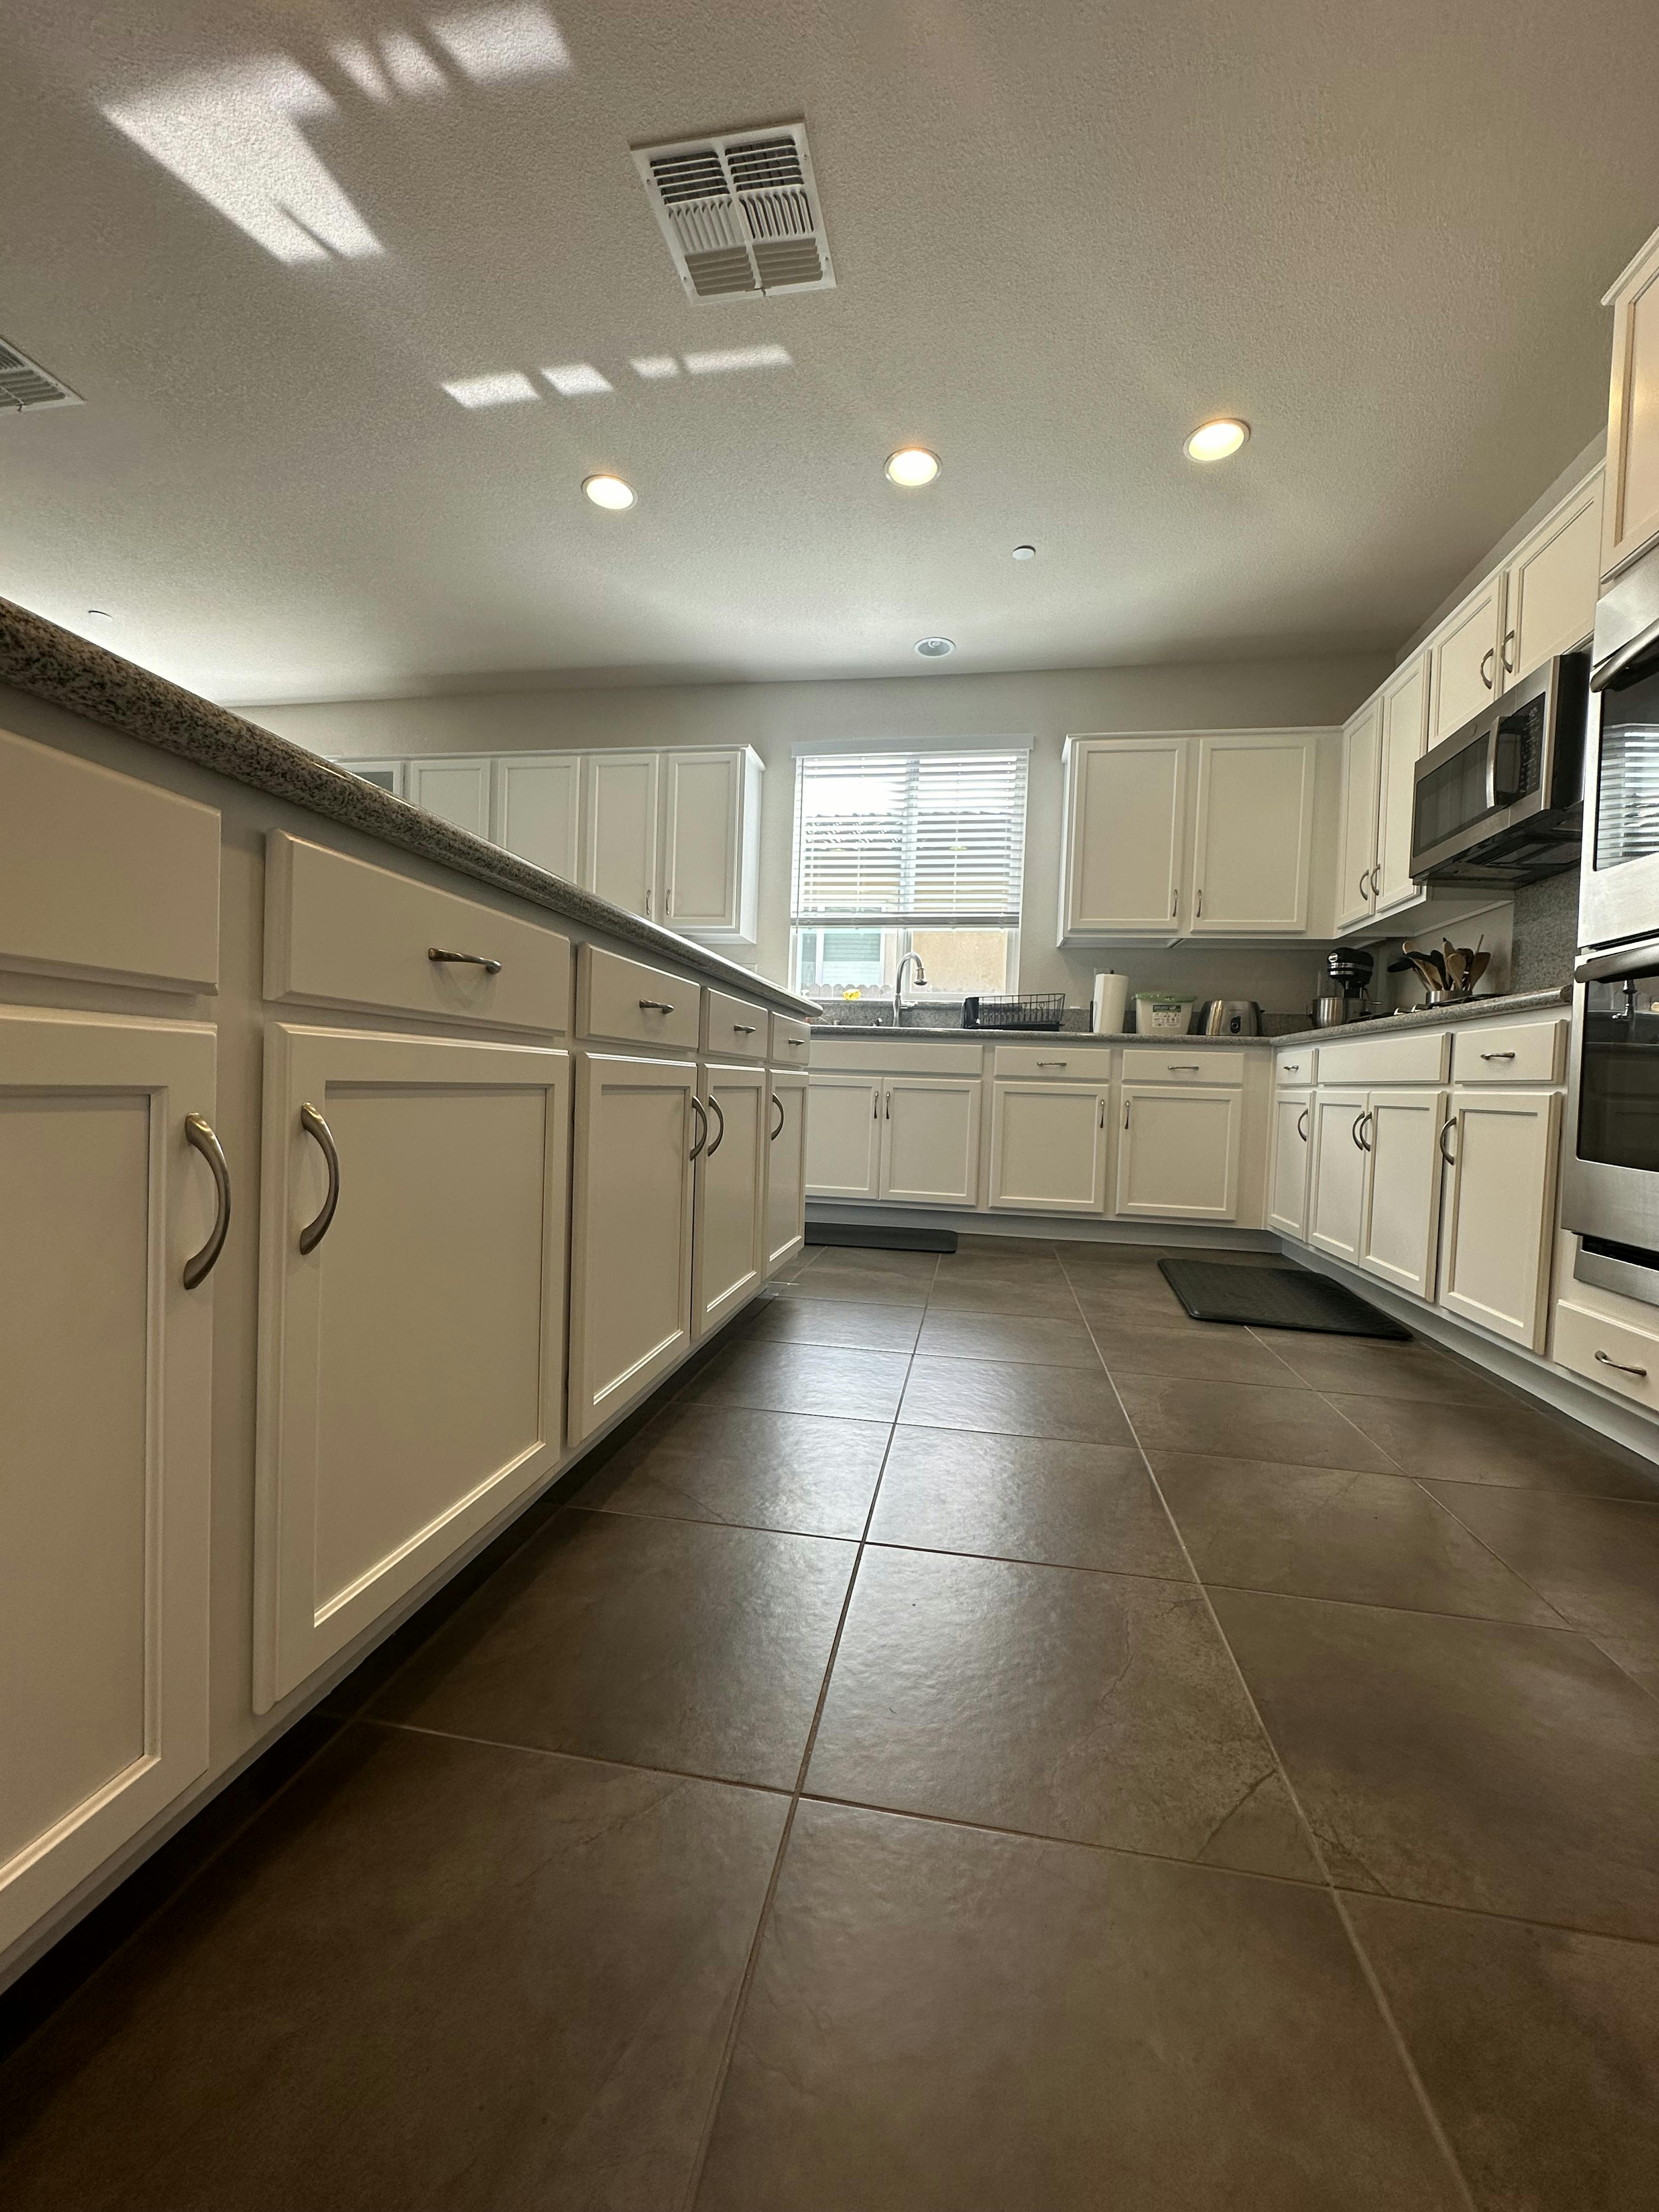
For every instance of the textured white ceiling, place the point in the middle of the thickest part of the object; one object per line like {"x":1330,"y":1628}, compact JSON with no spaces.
{"x":1063,"y":232}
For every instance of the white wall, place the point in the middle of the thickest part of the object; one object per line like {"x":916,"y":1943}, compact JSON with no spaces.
{"x":775,"y":717}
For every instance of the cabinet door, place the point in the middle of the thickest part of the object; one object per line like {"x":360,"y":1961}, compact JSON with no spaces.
{"x":1287,"y":1174}
{"x":1405,"y":730}
{"x":1336,"y":1205}
{"x":538,"y":810}
{"x":786,"y":1170}
{"x":843,"y":1136}
{"x":637,"y":1128}
{"x":1252,"y":835}
{"x":1401,"y":1133}
{"x":384,"y":775}
{"x":1631,"y":507}
{"x":1464,"y":654}
{"x":1125,"y":834}
{"x":930,"y":1140}
{"x":105,"y":1378}
{"x":1049,"y":1147}
{"x":1550,"y":587}
{"x":622,"y":830}
{"x":728,"y":1243}
{"x":1177,"y":1154}
{"x":456,"y":791}
{"x":1495,"y":1260}
{"x":1362,"y":753}
{"x":704,"y":832}
{"x":410,"y":1365}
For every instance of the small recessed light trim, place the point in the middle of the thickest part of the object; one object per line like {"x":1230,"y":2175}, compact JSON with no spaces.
{"x":609,"y":492}
{"x":1216,"y":439}
{"x":1025,"y":552}
{"x":911,"y":467}
{"x":935,"y":648}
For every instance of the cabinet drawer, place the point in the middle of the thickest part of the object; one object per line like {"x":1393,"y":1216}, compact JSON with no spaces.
{"x":1419,"y":1056}
{"x":1142,"y":1064}
{"x":1630,"y":1357}
{"x":792,"y":1041}
{"x":1297,"y":1069}
{"x":636,"y":1005}
{"x":737,"y":1027}
{"x":884,"y":1055}
{"x":1065,"y":1063}
{"x":103,"y":876}
{"x":1510,"y":1052}
{"x":341,"y":933}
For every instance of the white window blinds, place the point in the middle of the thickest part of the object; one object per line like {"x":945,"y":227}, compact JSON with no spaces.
{"x":909,"y":840}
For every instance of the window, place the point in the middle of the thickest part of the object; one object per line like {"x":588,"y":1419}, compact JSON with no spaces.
{"x":909,"y":851}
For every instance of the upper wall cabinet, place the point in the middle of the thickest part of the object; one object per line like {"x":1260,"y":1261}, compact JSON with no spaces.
{"x":1361,"y":761}
{"x":1252,"y":835}
{"x":1125,"y":813}
{"x":456,"y":791}
{"x":1463,"y":660}
{"x":1549,"y":583}
{"x":537,"y":811}
{"x":712,"y":842}
{"x":1632,"y":508}
{"x":621,"y":831}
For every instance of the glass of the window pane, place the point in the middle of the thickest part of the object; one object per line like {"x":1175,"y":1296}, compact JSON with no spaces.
{"x":960,"y":961}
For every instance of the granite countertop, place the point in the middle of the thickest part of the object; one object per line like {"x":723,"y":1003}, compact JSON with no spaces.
{"x":937,"y":1031}
{"x":1434,"y":1017}
{"x":71,"y":673}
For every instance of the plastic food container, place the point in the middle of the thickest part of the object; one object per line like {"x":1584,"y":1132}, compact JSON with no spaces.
{"x":1163,"y":1013}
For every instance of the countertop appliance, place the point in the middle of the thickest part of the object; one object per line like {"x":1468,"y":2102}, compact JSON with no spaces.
{"x":1501,"y":800}
{"x":1230,"y":1017}
{"x":1348,"y":972}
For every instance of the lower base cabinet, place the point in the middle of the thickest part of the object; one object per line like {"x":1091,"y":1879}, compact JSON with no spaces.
{"x":412,"y":1238}
{"x":1401,"y":1135}
{"x":914,"y":1138}
{"x":843,"y":1136}
{"x":105,"y":1379}
{"x":786,"y":1170}
{"x":728,"y":1240}
{"x":1500,"y":1210}
{"x":1336,"y":1196}
{"x":1049,"y":1147}
{"x":1177,"y":1153}
{"x":1288,"y":1166}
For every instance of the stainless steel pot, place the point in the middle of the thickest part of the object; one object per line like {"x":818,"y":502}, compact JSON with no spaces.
{"x":1332,"y":1013}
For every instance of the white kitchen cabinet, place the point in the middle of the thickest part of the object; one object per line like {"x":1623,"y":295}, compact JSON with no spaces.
{"x":621,"y":831}
{"x":1252,"y":834}
{"x":1550,"y":583}
{"x":1049,"y":1147}
{"x":411,"y":1319}
{"x":1125,"y":836}
{"x":728,"y":1240}
{"x":1630,"y":503}
{"x":456,"y":790}
{"x":711,"y":860}
{"x":105,"y":1378}
{"x":537,"y":811}
{"x":785,"y":1171}
{"x":843,"y":1136}
{"x":1336,"y":1203}
{"x":639,"y":1128}
{"x":930,"y":1140}
{"x":1362,"y":756}
{"x":386,"y":775}
{"x":1501,"y":1207}
{"x":1177,"y":1153}
{"x":1402,"y":1212}
{"x":1288,"y":1165}
{"x":1404,"y":705}
{"x":1464,"y":659}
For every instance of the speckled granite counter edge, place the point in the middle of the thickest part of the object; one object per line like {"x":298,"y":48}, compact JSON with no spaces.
{"x":51,"y":664}
{"x":1434,"y":1017}
{"x":855,"y":1034}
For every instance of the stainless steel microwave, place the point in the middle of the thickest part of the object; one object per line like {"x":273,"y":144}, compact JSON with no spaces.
{"x":1502,"y":800}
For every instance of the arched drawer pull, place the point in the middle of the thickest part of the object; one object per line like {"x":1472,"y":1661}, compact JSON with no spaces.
{"x":778,"y":1102}
{"x":1603,"y":1360}
{"x":465,"y":959}
{"x":199,"y":1131}
{"x":314,"y":1126}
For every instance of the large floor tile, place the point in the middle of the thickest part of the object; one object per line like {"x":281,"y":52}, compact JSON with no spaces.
{"x":1099,"y":1707}
{"x":803,"y":1378}
{"x":1474,"y":1762}
{"x":1597,"y":1559}
{"x":947,"y":2021}
{"x":1215,"y":1351}
{"x":435,"y":1974}
{"x":804,"y":1472}
{"x":1367,"y":1368}
{"x":1008,"y":1338}
{"x":876,"y":1260}
{"x":862,"y":1285}
{"x":1013,"y":1401}
{"x":1539,"y":2049}
{"x":971,"y":1240}
{"x":807,"y":1319}
{"x":1041,"y":1301}
{"x":1144,"y":1303}
{"x":980,"y":1266}
{"x":662,"y":1643}
{"x":1025,"y":1498}
{"x":1503,"y":1442}
{"x":1324,"y":1532}
{"x":1240,"y":1420}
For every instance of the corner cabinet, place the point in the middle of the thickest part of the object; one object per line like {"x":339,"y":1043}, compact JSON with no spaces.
{"x":411,"y":1318}
{"x":1630,"y":509}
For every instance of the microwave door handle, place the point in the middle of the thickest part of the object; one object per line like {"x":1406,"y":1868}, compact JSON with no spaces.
{"x":1489,"y":738}
{"x":1629,"y":662}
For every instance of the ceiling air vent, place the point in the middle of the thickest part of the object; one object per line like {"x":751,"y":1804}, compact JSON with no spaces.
{"x":741,"y":213}
{"x":24,"y":383}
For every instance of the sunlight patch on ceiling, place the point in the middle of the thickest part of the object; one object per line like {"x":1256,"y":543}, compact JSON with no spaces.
{"x":654,"y":366}
{"x":492,"y":45}
{"x":507,"y":387}
{"x":724,"y":359}
{"x":576,"y":379}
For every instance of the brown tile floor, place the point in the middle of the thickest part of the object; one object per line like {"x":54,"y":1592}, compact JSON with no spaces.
{"x":990,"y":1742}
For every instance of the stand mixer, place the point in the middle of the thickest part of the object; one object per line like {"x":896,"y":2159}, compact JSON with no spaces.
{"x":1346,"y":997}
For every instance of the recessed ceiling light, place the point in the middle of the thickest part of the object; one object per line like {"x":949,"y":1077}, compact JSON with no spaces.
{"x":1213,"y":441}
{"x":935,"y":648}
{"x":609,"y":491}
{"x":1025,"y":552}
{"x":912,"y":466}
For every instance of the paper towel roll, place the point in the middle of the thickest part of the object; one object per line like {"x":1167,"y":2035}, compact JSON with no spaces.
{"x":1111,"y":992}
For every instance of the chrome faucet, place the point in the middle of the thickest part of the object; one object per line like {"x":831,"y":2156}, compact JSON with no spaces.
{"x":898,"y":984}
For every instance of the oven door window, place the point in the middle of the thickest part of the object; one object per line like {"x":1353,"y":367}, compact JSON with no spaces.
{"x":1619,"y":1072}
{"x":1627,"y":794}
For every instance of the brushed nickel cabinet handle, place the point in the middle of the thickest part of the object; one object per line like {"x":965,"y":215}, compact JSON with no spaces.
{"x":1602,"y":1359}
{"x":1509,"y":640}
{"x":1291,"y":1068}
{"x":1497,"y":1056}
{"x":703,"y":1120}
{"x":719,"y":1134}
{"x":778,"y":1102}
{"x":1302,"y":1124}
{"x":465,"y":959}
{"x":656,"y":1006}
{"x":1054,"y":1063}
{"x":1102,"y":1123}
{"x":796,"y":1044}
{"x":1358,"y":1124}
{"x":1375,"y":872}
{"x":199,"y":1131}
{"x":1488,"y":658}
{"x":1365,"y":879}
{"x":314,"y":1126}
{"x":1125,"y":1113}
{"x":1174,"y":901}
{"x":1446,"y":1128}
{"x":1198,"y":915}
{"x":1182,"y":1068}
{"x":744,"y":1028}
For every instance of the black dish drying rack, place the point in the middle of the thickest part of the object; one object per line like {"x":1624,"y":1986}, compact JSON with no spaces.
{"x":1031,"y":1010}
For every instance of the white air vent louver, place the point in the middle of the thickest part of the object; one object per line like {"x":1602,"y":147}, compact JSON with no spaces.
{"x":741,"y":213}
{"x":24,"y":383}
